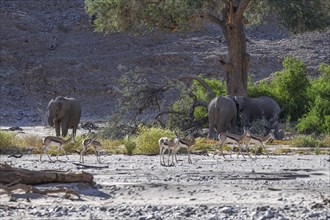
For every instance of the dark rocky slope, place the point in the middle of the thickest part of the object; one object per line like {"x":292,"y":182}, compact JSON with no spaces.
{"x":49,"y":48}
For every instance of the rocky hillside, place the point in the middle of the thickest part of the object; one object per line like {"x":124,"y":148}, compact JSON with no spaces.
{"x":49,"y":48}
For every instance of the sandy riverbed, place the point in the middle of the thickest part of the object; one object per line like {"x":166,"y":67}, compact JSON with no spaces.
{"x":138,"y":187}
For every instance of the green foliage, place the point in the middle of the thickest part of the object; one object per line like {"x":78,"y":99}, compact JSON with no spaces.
{"x":302,"y":100}
{"x":217,"y":86}
{"x":183,"y":107}
{"x":289,"y":88}
{"x":300,"y":16}
{"x":130,"y":144}
{"x":7,"y":143}
{"x":309,"y":141}
{"x":324,"y":140}
{"x":318,"y":118}
{"x":312,"y":141}
{"x":11,"y":144}
{"x":139,"y":16}
{"x":204,"y":144}
{"x":186,"y":107}
{"x":147,"y":139}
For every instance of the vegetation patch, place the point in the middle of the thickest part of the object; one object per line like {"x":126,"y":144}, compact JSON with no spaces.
{"x":147,"y":139}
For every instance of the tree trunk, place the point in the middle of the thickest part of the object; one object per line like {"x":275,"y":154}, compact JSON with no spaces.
{"x":237,"y":67}
{"x":232,"y":25}
{"x":10,"y":175}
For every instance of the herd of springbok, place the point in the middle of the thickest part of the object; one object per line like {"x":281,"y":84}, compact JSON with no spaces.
{"x":59,"y":142}
{"x":173,"y":145}
{"x":166,"y":144}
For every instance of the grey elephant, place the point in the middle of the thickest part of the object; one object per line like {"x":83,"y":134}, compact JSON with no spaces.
{"x":222,"y":114}
{"x":263,"y":107}
{"x":64,"y":113}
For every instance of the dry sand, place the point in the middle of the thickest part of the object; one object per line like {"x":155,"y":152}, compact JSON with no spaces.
{"x":138,"y":187}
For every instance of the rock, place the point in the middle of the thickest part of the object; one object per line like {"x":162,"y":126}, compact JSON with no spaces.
{"x":228,"y":210}
{"x":269,"y":214}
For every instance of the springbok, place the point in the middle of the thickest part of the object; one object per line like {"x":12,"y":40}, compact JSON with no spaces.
{"x":87,"y":143}
{"x":55,"y":141}
{"x":226,"y":137}
{"x":257,"y":139}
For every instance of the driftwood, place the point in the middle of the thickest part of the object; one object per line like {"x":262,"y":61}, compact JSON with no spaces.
{"x":31,"y":189}
{"x":11,"y":175}
{"x":83,"y":166}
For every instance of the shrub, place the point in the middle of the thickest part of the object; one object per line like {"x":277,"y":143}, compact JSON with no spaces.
{"x":317,"y":120}
{"x":29,"y":141}
{"x":130,"y":144}
{"x":325,"y":140}
{"x":300,"y":16}
{"x":147,"y":139}
{"x":305,"y":141}
{"x":7,"y":144}
{"x":204,"y":144}
{"x":289,"y":88}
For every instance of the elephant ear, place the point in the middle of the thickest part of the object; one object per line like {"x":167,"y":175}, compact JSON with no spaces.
{"x":239,"y":102}
{"x":65,"y":105}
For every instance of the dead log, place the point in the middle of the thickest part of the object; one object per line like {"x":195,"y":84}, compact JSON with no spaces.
{"x":10,"y":174}
{"x":83,"y":166}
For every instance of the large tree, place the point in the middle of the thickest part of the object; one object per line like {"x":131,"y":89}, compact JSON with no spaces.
{"x":172,"y":15}
{"x":139,"y":16}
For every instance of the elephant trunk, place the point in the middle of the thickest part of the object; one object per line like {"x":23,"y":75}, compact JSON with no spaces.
{"x":51,"y":120}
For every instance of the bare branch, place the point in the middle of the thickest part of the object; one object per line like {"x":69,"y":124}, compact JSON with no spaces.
{"x":201,"y":81}
{"x":213,"y":17}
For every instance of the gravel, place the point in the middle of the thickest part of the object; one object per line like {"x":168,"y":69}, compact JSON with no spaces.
{"x":138,"y":187}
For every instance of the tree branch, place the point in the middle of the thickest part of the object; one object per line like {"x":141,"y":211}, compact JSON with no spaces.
{"x":241,"y":8}
{"x":213,"y":17}
{"x":201,"y":81}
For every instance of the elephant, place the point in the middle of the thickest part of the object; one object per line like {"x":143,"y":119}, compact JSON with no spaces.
{"x":253,"y":109}
{"x":64,"y":113}
{"x":222,"y":114}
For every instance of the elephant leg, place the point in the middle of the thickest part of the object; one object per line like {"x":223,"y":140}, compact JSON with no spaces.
{"x":64,"y":127}
{"x":57,"y":129}
{"x":74,"y":131}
